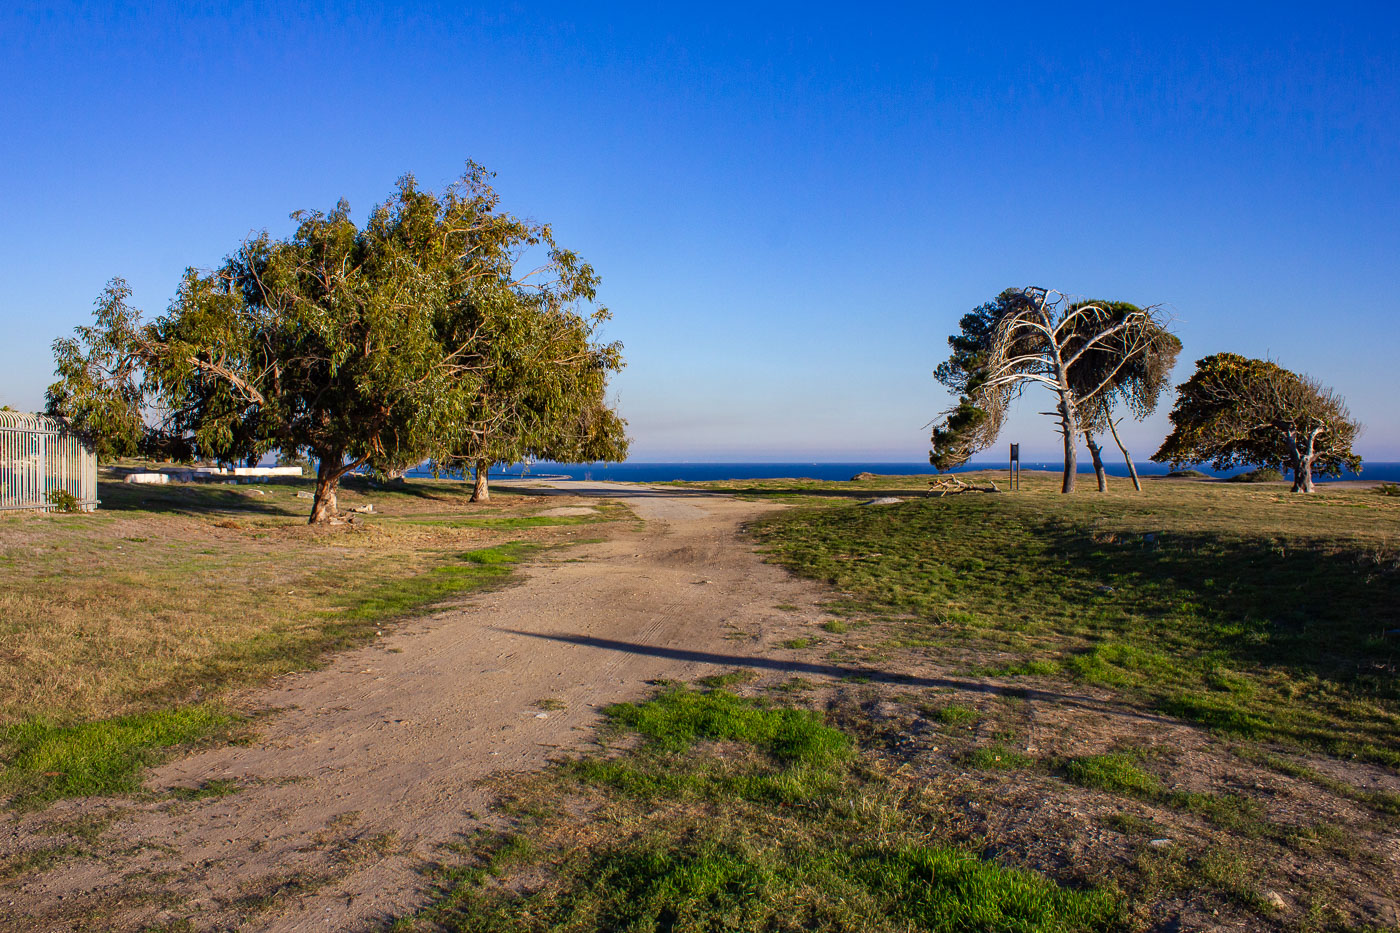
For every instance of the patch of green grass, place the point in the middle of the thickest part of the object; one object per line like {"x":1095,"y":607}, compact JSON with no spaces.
{"x":998,"y":757}
{"x":690,"y":837}
{"x":398,"y":597}
{"x":1130,"y":824}
{"x":32,"y":862}
{"x":730,"y":678}
{"x":1118,"y":773}
{"x":1115,"y":772}
{"x":836,"y":626}
{"x":951,"y":714}
{"x":208,"y":790}
{"x":710,"y":882}
{"x":796,"y":643}
{"x":1252,"y":614}
{"x":508,"y":522}
{"x":45,"y":761}
{"x":678,"y":718}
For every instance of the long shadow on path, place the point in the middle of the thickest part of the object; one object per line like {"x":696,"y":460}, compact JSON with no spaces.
{"x":871,"y":674}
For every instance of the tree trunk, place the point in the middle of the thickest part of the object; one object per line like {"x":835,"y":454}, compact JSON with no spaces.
{"x":329,"y":469}
{"x":1301,"y":462}
{"x":1096,"y":452}
{"x":1127,"y":458}
{"x":1302,"y":475}
{"x":1069,"y":428}
{"x":480,"y":491}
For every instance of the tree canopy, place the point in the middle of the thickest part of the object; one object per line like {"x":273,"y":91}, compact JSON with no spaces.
{"x":100,"y":388}
{"x":1235,"y":411}
{"x":1091,"y":354}
{"x":387,"y":342}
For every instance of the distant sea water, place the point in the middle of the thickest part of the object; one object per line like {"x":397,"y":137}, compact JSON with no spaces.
{"x":701,"y":471}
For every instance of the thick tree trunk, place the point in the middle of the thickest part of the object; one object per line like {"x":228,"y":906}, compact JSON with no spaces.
{"x":1127,"y":458}
{"x":1301,"y":461}
{"x":480,"y":491}
{"x":329,"y":469}
{"x":1069,"y":428}
{"x":1302,"y":476}
{"x":1096,"y":452}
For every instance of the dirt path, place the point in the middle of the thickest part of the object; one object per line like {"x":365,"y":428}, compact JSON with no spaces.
{"x":378,"y":759}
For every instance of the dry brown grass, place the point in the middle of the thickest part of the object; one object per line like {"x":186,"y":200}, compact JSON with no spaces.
{"x":170,"y":594}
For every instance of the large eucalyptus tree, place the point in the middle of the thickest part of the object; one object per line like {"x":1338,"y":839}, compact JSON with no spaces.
{"x":352,"y":343}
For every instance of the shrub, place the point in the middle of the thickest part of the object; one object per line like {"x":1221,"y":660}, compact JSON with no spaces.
{"x":63,"y":501}
{"x":1261,"y":475}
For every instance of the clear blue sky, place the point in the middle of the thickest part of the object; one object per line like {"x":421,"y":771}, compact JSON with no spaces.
{"x":790,"y":206}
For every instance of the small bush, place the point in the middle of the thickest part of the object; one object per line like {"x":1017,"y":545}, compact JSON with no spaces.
{"x":1261,"y":475}
{"x":63,"y":501}
{"x":1188,"y":474}
{"x":1388,"y":489}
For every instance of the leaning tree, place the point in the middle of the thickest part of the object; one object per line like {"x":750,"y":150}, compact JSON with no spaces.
{"x":1085,"y":352}
{"x":1235,"y":411}
{"x":348,"y":343}
{"x":1135,"y":380}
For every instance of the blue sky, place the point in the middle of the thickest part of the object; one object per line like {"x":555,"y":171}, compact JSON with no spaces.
{"x":790,"y":206}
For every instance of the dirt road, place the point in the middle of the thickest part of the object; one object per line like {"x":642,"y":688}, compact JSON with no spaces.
{"x":374,"y":762}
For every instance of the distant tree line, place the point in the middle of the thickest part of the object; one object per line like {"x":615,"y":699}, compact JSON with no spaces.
{"x":1098,"y":356}
{"x":412,"y":338}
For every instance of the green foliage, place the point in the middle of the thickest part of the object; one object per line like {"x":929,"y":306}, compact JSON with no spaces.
{"x":711,"y":881}
{"x":393,"y":342}
{"x":1235,"y":411}
{"x":1260,"y":475}
{"x":45,"y":760}
{"x":99,"y":390}
{"x":1092,"y":354}
{"x":63,"y":501}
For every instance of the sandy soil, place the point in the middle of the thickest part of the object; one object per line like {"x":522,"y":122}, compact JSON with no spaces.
{"x":367,"y":767}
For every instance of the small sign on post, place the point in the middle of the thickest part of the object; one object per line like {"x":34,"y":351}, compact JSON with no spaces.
{"x":1015,"y":467}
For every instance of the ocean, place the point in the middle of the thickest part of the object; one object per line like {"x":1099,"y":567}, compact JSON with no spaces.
{"x":699,"y":471}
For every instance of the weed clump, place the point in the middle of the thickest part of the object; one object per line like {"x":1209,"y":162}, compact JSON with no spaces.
{"x":1116,"y":773}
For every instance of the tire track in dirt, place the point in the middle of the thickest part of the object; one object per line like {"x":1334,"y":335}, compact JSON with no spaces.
{"x":375,"y":761}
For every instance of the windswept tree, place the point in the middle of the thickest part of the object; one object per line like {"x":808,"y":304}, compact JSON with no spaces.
{"x":1235,"y":411}
{"x":1135,"y":381}
{"x":348,"y":343}
{"x":1084,"y":352}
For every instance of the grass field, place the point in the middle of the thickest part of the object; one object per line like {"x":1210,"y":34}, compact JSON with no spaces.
{"x":123,"y":631}
{"x":1186,"y":696}
{"x":1084,"y":713}
{"x":740,"y":814}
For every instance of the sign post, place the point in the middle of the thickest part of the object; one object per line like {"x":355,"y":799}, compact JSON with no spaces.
{"x":1015,"y":467}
